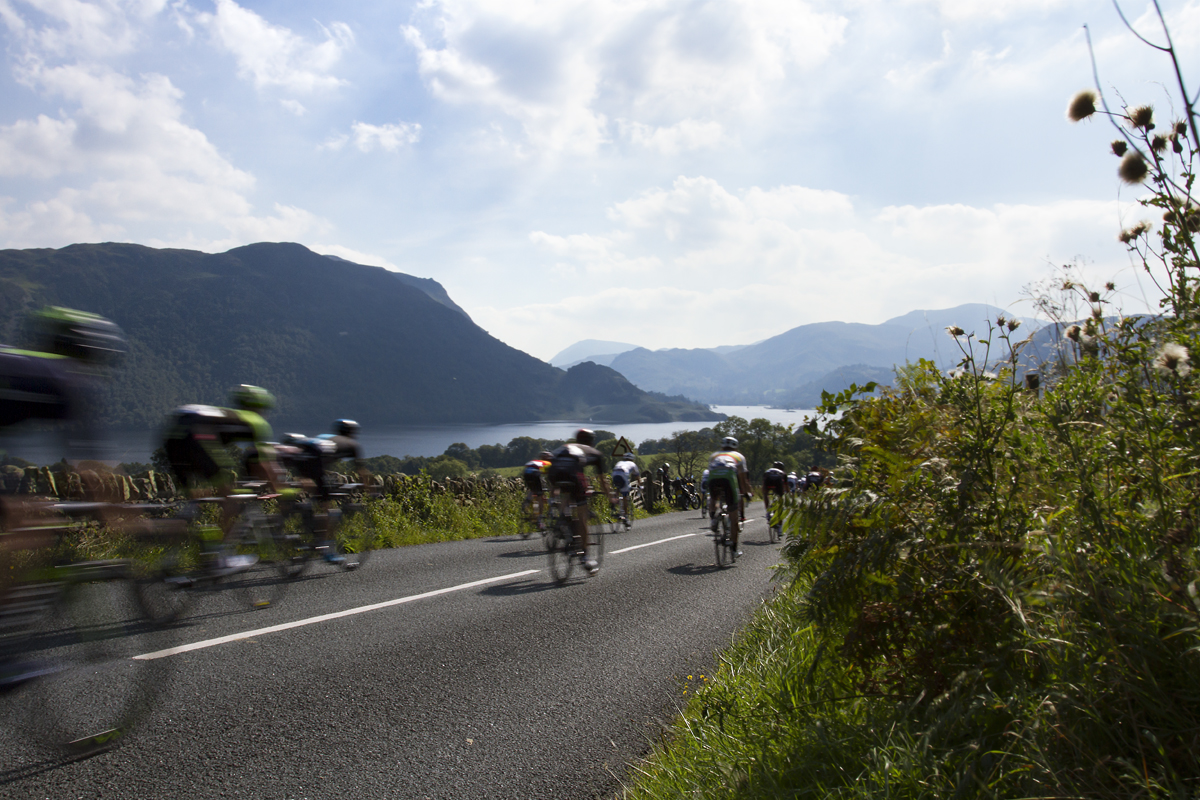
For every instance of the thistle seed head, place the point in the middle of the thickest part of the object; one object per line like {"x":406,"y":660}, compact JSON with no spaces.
{"x":1181,"y":128}
{"x":1158,"y":143}
{"x":954,"y":330}
{"x":1141,"y":117}
{"x":1112,"y":287}
{"x":1013,"y":324}
{"x":1082,"y":106}
{"x":1133,"y":168}
{"x":1119,"y":147}
{"x":1172,"y":359}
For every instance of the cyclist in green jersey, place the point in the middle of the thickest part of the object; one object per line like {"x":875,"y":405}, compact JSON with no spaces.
{"x":727,"y":476}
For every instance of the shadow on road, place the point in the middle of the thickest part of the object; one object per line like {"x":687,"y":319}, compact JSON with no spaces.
{"x":518,"y":588}
{"x":690,"y":570}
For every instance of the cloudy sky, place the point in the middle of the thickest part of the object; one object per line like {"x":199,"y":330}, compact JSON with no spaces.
{"x":674,"y":173}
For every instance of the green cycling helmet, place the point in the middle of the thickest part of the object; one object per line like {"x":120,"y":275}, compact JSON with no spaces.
{"x":252,"y":398}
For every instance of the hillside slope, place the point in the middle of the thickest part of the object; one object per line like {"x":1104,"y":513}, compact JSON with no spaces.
{"x":330,"y":338}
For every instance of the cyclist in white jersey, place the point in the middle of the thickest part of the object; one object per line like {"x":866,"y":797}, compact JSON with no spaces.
{"x":727,"y":476}
{"x":625,"y":472}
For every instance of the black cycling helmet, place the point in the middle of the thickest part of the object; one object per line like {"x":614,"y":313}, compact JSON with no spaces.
{"x":252,"y":398}
{"x":545,"y":455}
{"x":77,"y":334}
{"x":346,"y":427}
{"x":585,"y":436}
{"x":778,"y":465}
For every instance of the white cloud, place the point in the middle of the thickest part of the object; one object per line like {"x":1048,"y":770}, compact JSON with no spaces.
{"x":672,"y":72}
{"x":77,"y":29}
{"x":274,"y":56}
{"x":357,"y":256}
{"x":759,"y":261}
{"x":293,"y":106}
{"x":388,"y":137}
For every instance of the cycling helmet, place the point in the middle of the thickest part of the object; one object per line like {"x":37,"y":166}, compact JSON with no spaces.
{"x":346,"y":427}
{"x":778,"y":465}
{"x":729,"y":443}
{"x":585,"y":436}
{"x":77,"y":334}
{"x":629,"y":456}
{"x":545,"y":455}
{"x":252,"y":398}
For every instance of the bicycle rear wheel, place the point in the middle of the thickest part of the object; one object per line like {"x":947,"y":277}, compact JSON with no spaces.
{"x":357,"y":535}
{"x":721,"y":538}
{"x":71,"y":682}
{"x":559,"y":543}
{"x":258,"y":539}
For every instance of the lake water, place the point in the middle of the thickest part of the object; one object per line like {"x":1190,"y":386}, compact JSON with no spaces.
{"x":402,"y":440}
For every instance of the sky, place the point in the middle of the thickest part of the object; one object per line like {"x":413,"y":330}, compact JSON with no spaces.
{"x":670,"y":173}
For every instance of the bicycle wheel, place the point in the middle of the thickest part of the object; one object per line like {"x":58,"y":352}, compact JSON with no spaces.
{"x":721,"y":537}
{"x":528,"y":522}
{"x":560,"y":542}
{"x":163,"y":571}
{"x":71,"y":681}
{"x":265,"y":560}
{"x":357,"y":535}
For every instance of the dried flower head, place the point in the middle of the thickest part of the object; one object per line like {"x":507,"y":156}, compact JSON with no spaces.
{"x":1176,"y":145}
{"x":1133,"y":168}
{"x":1093,"y":297}
{"x":1119,"y":147}
{"x":1141,"y":117}
{"x":1001,"y":321}
{"x":1172,"y":359}
{"x":1073,"y":333}
{"x":1013,"y":324}
{"x":954,"y":330}
{"x":1082,"y":106}
{"x":1181,"y":128}
{"x":1068,"y":286}
{"x":1112,"y":287}
{"x":1158,"y":143}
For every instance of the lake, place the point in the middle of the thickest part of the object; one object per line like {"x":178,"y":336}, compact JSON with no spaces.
{"x":401,"y":440}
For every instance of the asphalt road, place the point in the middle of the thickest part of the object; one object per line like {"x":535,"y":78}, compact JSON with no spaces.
{"x":475,"y":676}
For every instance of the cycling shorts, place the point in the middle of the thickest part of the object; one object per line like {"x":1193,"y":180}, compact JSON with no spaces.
{"x":533,"y":481}
{"x":718,"y":485}
{"x":621,"y":482}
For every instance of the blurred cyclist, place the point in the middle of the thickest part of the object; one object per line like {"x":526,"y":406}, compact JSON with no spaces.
{"x":727,"y":476}
{"x":57,"y":381}
{"x":625,"y":473}
{"x":313,"y":460}
{"x":774,"y":482}
{"x":568,"y":466}
{"x":535,"y":487}
{"x":196,"y":440}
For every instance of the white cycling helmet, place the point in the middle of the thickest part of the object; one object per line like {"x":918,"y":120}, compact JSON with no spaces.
{"x":729,"y":443}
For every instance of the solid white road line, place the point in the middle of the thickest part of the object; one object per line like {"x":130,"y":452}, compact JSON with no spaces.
{"x":187,"y":648}
{"x":648,"y":544}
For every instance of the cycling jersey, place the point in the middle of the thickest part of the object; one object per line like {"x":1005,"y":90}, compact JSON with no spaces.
{"x":197,"y":436}
{"x":567,"y":466}
{"x":726,"y":472}
{"x":532,"y":475}
{"x":624,"y":473}
{"x":312,"y":458}
{"x":793,"y":482}
{"x":774,"y":480}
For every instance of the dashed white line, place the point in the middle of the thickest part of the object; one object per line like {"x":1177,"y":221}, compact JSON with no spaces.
{"x":187,"y":648}
{"x":649,"y":544}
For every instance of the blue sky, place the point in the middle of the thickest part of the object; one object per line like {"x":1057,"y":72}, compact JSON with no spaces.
{"x":675,"y":173}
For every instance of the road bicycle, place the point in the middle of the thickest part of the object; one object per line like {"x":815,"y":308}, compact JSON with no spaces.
{"x":69,"y":629}
{"x":723,"y":546}
{"x":563,"y":545}
{"x":343,"y":533}
{"x":190,"y":555}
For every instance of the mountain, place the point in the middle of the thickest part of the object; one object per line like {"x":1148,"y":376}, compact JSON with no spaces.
{"x":328,"y":337}
{"x":791,"y":369}
{"x":427,"y":285}
{"x":594,"y":350}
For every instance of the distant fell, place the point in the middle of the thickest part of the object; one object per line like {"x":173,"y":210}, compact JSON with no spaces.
{"x":792,"y":368}
{"x":595,"y":350}
{"x":328,"y":337}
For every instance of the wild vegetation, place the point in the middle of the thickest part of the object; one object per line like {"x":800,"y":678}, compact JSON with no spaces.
{"x":999,"y":595}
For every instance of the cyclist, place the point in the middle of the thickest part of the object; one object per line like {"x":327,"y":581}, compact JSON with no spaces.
{"x":55,"y":382}
{"x":535,"y":487}
{"x":727,"y":476}
{"x":793,"y":483}
{"x":313,"y":459}
{"x":774,"y":482}
{"x":703,"y":493}
{"x":625,"y":472}
{"x":568,"y":466}
{"x":814,"y":478}
{"x":196,"y":441}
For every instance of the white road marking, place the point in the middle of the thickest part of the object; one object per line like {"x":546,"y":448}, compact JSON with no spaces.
{"x":648,"y":544}
{"x":187,"y":648}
